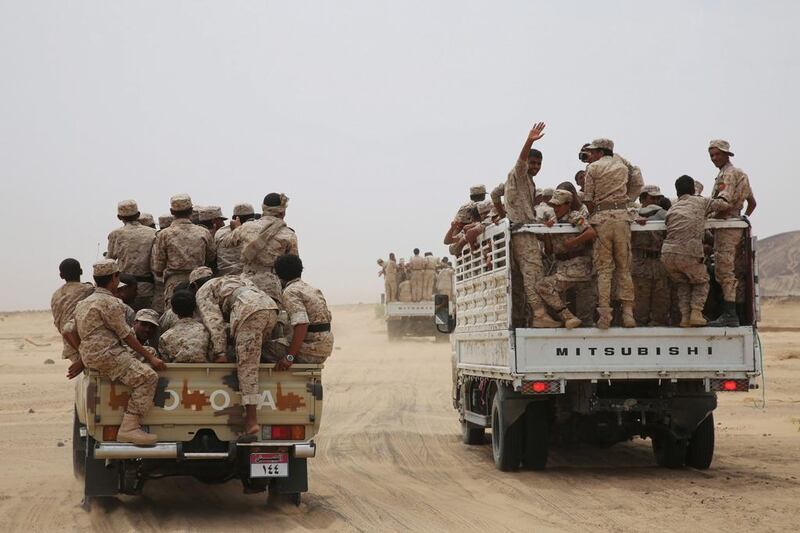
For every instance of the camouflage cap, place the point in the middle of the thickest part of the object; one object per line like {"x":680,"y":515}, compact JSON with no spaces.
{"x":652,"y":190}
{"x":105,"y":267}
{"x":180,"y":202}
{"x":547,"y":192}
{"x":127,"y":208}
{"x":147,"y":315}
{"x":195,"y":216}
{"x":215,"y":212}
{"x":200,"y":273}
{"x":601,"y":144}
{"x":164,"y":221}
{"x":719,"y":144}
{"x":560,"y":197}
{"x":146,"y":219}
{"x":477,"y":189}
{"x":243,"y":209}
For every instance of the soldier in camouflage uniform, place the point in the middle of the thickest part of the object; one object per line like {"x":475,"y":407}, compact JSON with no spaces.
{"x":429,"y":276}
{"x":312,"y":340}
{"x":573,"y":260}
{"x":63,"y":305}
{"x":108,"y":346}
{"x":262,"y":242}
{"x":732,"y":185}
{"x":181,"y":247}
{"x":188,"y":341}
{"x":444,"y":280}
{"x":606,"y":196}
{"x":229,"y":257}
{"x":132,"y":246}
{"x":252,"y":315}
{"x":650,"y":280}
{"x":157,"y":304}
{"x":417,"y":267}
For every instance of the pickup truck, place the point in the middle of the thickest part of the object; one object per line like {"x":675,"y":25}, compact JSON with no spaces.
{"x":411,"y":319}
{"x":197,"y":417}
{"x":536,"y":388}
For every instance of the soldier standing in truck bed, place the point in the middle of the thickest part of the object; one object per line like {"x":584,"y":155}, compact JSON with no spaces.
{"x":229,"y":256}
{"x":650,"y":281}
{"x":132,"y":246}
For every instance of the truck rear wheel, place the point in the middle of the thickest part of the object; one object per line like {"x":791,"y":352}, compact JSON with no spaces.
{"x":393,"y":329}
{"x":670,"y":452}
{"x":536,"y":436}
{"x":471,"y":434}
{"x":506,"y":443}
{"x":700,"y":451}
{"x":78,"y":447}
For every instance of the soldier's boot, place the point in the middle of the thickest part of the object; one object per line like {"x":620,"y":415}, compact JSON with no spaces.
{"x":628,"y":321}
{"x":570,"y":320}
{"x":604,"y":321}
{"x":686,"y":316}
{"x":541,"y":319}
{"x":131,"y":431}
{"x":728,"y":318}
{"x":696,"y":318}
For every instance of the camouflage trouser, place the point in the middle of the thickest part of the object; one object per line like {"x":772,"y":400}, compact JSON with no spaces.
{"x":142,"y":380}
{"x":528,"y":260}
{"x":551,"y":290}
{"x":268,"y":282}
{"x":726,"y":243}
{"x":390,"y":287}
{"x":417,"y":284}
{"x":612,"y":258}
{"x":651,"y":303}
{"x":158,"y":296}
{"x":144,"y":296}
{"x":249,"y":337}
{"x":428,"y":281}
{"x":691,"y":280}
{"x":170,"y":283}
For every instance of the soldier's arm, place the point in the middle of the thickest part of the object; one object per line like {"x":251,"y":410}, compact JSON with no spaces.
{"x":298,"y":318}
{"x":751,"y":205}
{"x":111,"y":250}
{"x":587,"y":235}
{"x":211,"y":250}
{"x":536,"y":133}
{"x":635,"y":182}
{"x":588,"y":189}
{"x":158,"y":259}
{"x":496,"y":195}
{"x":212,"y":317}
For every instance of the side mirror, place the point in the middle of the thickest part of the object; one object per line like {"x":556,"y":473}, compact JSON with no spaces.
{"x":445,"y":322}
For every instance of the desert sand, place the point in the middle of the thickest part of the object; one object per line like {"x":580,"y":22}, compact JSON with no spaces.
{"x":390,"y":455}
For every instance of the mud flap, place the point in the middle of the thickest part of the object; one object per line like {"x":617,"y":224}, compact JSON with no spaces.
{"x":100,"y":480}
{"x":297,"y":480}
{"x":512,"y":407}
{"x":688,"y":413}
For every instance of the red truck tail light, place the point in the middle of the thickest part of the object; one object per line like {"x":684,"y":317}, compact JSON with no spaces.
{"x":730,"y":385}
{"x":296,"y":432}
{"x":551,"y":386}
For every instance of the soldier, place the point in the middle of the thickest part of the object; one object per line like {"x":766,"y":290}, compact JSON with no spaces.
{"x":520,"y":192}
{"x":210,"y":217}
{"x":108,"y":346}
{"x":252,"y":314}
{"x":732,"y":185}
{"x":444,"y":279}
{"x":188,"y":341}
{"x":262,"y":242}
{"x":63,"y":305}
{"x":606,"y":186}
{"x":572,"y":254}
{"x":126,"y":290}
{"x":132,"y":246}
{"x":405,"y":292}
{"x":312,"y":340}
{"x":157,"y":304}
{"x":169,"y":318}
{"x":181,"y":247}
{"x":164,"y":221}
{"x":229,"y":257}
{"x":145,"y":327}
{"x":650,"y":281}
{"x":682,"y":251}
{"x":429,"y":276}
{"x":389,"y":273}
{"x":146,"y":219}
{"x":417,"y":265}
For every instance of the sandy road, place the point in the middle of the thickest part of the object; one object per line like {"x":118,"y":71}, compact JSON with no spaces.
{"x":390,"y":456}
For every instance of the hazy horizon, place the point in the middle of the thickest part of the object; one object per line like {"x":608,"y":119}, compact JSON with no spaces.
{"x":373,"y":117}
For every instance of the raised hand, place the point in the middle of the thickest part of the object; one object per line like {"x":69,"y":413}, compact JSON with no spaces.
{"x":537,"y":132}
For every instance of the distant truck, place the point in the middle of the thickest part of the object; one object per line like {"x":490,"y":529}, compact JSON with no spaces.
{"x":411,"y":319}
{"x":535,"y":388}
{"x":197,"y":417}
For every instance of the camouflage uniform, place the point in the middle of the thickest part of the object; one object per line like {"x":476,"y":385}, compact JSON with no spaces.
{"x":100,"y":322}
{"x":132,"y":246}
{"x":306,"y":305}
{"x":390,"y":280}
{"x":732,"y":185}
{"x":429,"y":277}
{"x":187,"y":341}
{"x":635,"y":180}
{"x":444,"y":282}
{"x":252,"y":316}
{"x":404,"y":292}
{"x":417,"y":265}
{"x":650,"y":280}
{"x":179,"y":249}
{"x":63,"y":305}
{"x":682,"y":251}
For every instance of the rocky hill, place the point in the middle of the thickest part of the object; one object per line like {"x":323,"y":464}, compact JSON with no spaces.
{"x":779,"y":264}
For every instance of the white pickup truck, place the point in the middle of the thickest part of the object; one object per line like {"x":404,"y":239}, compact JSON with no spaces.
{"x":411,"y":319}
{"x":537,"y":387}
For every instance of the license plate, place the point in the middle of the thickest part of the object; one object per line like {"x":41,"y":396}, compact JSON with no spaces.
{"x":269,"y":465}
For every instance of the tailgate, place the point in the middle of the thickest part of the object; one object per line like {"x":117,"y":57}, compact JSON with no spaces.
{"x":424,"y":308}
{"x":190,"y":397}
{"x":638,"y":352}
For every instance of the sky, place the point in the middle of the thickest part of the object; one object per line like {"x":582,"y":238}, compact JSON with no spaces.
{"x":374,"y":117}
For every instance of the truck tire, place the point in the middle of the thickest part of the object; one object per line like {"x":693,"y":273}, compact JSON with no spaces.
{"x":506,"y":444}
{"x":471,"y":434}
{"x":78,"y":447}
{"x":670,"y":452}
{"x":700,"y":451}
{"x":537,"y":436}
{"x":393,"y":329}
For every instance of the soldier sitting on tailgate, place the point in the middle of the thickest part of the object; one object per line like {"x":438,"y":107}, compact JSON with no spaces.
{"x":573,"y":255}
{"x":188,"y":341}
